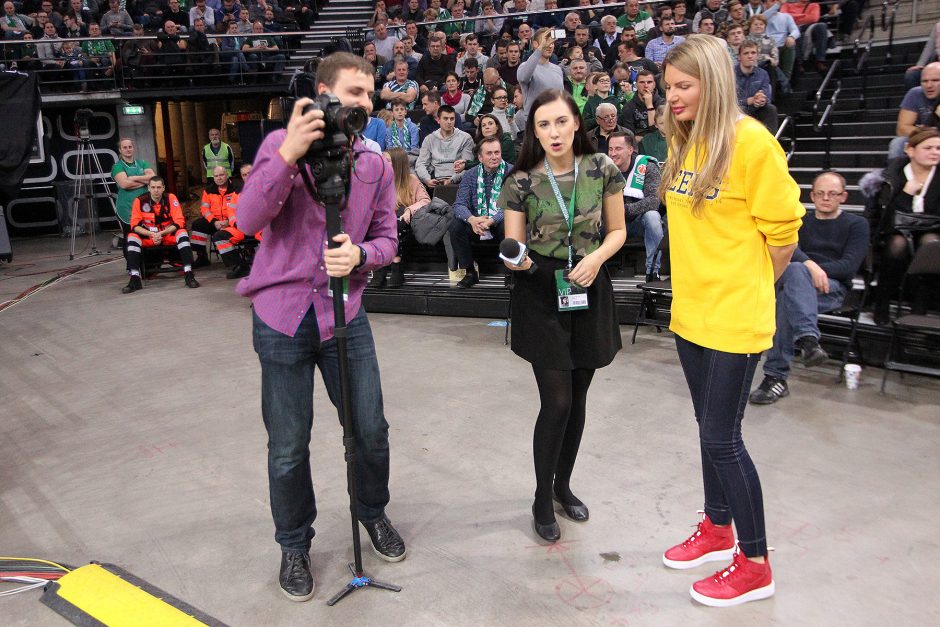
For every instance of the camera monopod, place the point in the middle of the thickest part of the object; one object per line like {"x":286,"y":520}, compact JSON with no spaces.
{"x":330,"y":169}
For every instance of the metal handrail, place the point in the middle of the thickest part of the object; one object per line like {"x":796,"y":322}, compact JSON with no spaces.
{"x":825,"y":120}
{"x":832,"y":70}
{"x":506,"y":16}
{"x":887,"y":23}
{"x":862,"y":54}
{"x":788,"y":124}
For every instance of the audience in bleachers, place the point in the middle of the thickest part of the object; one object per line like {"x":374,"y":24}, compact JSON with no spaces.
{"x":477,"y":77}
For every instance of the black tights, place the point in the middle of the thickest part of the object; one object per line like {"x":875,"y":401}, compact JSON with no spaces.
{"x":895,"y":258}
{"x":563,"y":394}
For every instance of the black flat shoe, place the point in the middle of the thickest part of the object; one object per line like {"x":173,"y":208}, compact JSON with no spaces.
{"x":549,"y":533}
{"x":577,"y":513}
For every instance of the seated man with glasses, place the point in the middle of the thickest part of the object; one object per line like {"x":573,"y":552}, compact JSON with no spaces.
{"x":832,"y":247}
{"x":606,"y":123}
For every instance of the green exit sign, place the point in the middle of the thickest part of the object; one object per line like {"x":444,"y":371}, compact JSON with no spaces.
{"x":132,"y":109}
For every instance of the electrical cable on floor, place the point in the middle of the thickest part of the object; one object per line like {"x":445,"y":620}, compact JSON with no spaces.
{"x":32,"y":571}
{"x":67,"y":272}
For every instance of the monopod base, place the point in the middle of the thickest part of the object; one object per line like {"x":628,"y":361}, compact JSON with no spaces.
{"x":358,"y":581}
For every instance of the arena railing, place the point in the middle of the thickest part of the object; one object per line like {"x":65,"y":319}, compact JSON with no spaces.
{"x":889,"y":9}
{"x":787,"y":125}
{"x":824,"y":121}
{"x":201,"y":68}
{"x":504,"y":16}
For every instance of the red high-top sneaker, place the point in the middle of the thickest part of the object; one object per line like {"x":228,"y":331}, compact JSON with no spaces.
{"x":708,"y":544}
{"x":742,"y":581}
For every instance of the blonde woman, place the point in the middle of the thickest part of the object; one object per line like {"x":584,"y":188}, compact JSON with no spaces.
{"x":412,"y":197}
{"x":734,"y":214}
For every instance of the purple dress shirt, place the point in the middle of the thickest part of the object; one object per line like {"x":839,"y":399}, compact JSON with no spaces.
{"x":288,"y":274}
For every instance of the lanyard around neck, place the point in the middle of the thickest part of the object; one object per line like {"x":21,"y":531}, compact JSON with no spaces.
{"x":568,"y":211}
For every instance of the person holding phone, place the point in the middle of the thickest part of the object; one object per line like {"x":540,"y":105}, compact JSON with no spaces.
{"x":537,"y":73}
{"x":565,"y":202}
{"x":734,"y":218}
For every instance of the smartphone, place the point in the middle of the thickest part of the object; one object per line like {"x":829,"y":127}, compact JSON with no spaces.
{"x":559,"y":33}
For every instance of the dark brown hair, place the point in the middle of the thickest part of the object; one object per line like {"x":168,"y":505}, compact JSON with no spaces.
{"x":532,"y":153}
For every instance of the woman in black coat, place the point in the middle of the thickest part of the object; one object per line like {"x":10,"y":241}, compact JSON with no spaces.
{"x":904,"y":212}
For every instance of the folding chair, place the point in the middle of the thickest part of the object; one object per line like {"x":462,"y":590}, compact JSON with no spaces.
{"x":656,"y":295}
{"x":926,"y":262}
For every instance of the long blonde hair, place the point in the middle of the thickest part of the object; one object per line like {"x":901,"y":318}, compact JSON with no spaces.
{"x":712,"y":133}
{"x":399,"y":159}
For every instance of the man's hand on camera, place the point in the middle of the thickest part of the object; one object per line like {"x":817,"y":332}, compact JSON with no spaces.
{"x":341,"y":261}
{"x":302,"y":130}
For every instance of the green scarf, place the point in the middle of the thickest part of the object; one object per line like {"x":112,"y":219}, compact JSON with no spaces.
{"x":636,"y":177}
{"x":488,"y":207}
{"x":396,"y":141}
{"x":479,"y":96}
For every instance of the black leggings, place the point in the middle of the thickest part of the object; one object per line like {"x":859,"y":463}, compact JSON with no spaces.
{"x":563,"y":395}
{"x":895,"y":257}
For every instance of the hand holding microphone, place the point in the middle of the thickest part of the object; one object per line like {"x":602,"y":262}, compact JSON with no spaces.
{"x":516,"y":256}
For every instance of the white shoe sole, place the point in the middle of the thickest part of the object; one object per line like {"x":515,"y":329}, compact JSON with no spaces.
{"x":754,"y":595}
{"x":299,"y":599}
{"x":378,"y":553}
{"x":714,"y":556}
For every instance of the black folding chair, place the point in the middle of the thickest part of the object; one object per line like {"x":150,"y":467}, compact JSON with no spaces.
{"x":851,"y":308}
{"x":926,"y":262}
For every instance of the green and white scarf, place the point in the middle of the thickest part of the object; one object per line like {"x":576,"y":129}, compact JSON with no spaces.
{"x":636,"y":177}
{"x":405,"y":140}
{"x":487,"y":207}
{"x":479,"y":96}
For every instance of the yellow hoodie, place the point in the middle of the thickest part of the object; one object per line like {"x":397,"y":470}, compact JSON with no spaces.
{"x":722,"y":275}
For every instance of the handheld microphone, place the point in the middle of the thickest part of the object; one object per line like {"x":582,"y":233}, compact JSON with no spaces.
{"x":515,"y":253}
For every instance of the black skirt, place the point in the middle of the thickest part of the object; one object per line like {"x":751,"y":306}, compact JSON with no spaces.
{"x":548,"y":338}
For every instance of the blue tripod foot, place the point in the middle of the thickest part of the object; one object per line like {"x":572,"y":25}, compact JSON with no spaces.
{"x":361,"y":581}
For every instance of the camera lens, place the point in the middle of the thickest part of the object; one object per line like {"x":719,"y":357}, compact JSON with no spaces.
{"x":352,"y":120}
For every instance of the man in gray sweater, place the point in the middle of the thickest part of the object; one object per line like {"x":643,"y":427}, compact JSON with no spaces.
{"x":538,"y":73}
{"x":445,"y":152}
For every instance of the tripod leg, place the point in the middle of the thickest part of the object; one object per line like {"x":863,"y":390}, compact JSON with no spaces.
{"x":76,"y":198}
{"x":339,"y":595}
{"x":384,"y":586}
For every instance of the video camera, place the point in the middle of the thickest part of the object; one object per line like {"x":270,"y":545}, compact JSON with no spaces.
{"x":342,"y":123}
{"x":81,"y":121}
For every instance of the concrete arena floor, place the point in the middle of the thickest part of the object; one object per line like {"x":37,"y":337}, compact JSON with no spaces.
{"x":130,"y":433}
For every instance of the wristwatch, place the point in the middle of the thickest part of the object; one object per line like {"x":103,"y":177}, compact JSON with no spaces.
{"x":362,"y":257}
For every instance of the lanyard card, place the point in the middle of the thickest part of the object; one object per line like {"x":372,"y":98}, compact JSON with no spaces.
{"x":571,"y":297}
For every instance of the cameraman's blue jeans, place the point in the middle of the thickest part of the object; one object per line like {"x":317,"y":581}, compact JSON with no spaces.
{"x":798,"y":304}
{"x":650,"y":224}
{"x":720,"y":383}
{"x":287,"y":369}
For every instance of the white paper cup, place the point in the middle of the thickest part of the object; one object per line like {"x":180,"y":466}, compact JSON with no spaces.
{"x":853,"y":372}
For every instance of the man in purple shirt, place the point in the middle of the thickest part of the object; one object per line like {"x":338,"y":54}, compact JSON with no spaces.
{"x":294,"y":325}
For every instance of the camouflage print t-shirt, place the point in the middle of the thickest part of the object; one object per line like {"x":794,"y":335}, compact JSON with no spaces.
{"x":546,"y":230}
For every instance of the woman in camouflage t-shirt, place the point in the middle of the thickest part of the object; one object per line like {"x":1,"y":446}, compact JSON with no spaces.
{"x":564,"y":341}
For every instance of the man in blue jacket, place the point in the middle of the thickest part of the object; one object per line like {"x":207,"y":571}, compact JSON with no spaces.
{"x":754,"y":91}
{"x":476,"y":214}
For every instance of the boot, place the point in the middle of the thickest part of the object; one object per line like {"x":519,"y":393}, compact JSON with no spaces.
{"x":396,"y":276}
{"x":202,"y":260}
{"x":190,"y":279}
{"x":378,"y":278}
{"x":133,"y":285}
